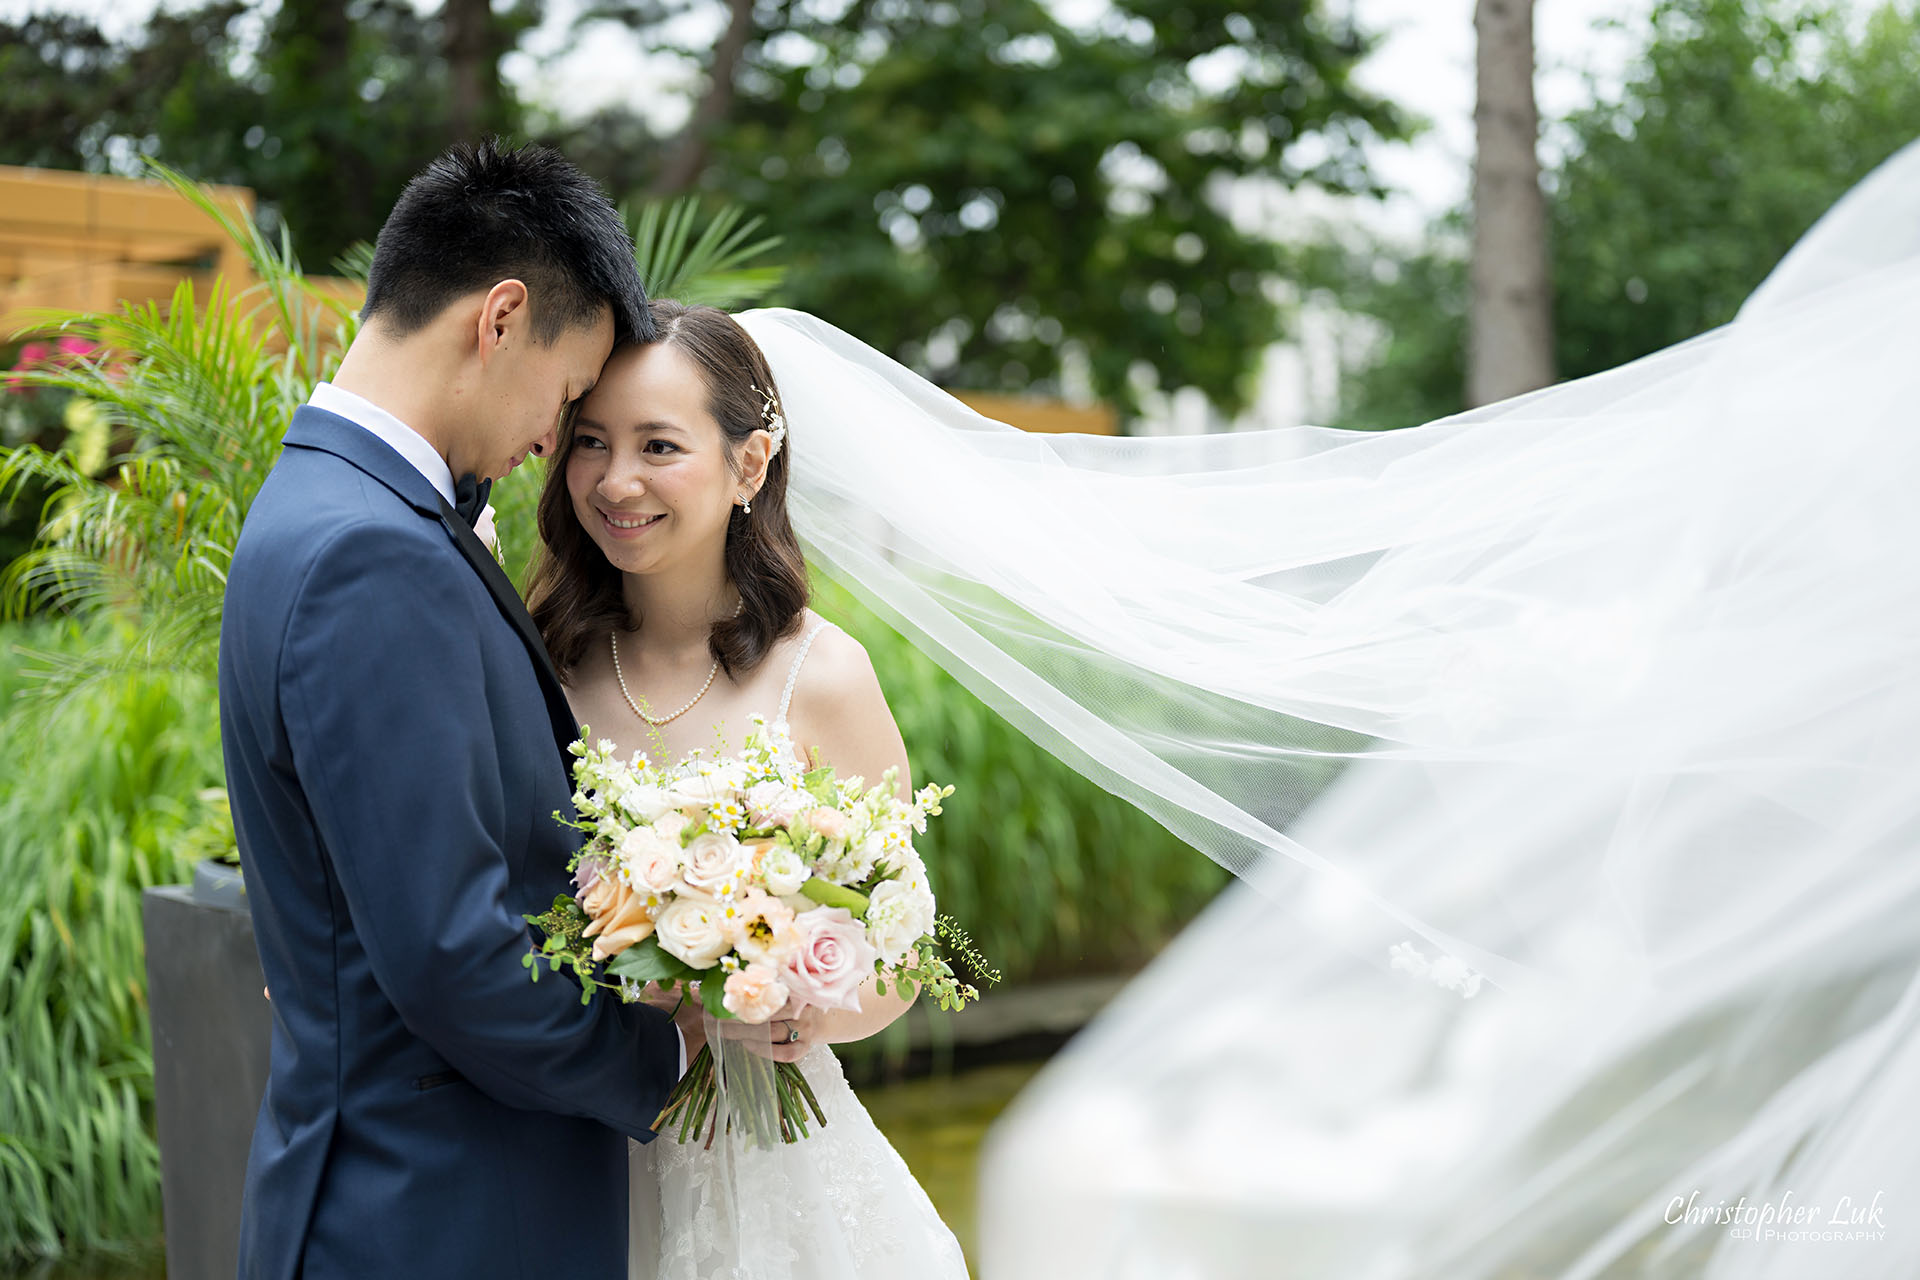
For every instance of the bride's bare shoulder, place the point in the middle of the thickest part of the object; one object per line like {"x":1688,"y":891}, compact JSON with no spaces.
{"x":839,"y":707}
{"x":836,"y":667}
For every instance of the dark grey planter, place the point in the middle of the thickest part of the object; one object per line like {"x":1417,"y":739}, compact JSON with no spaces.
{"x":210,"y":1048}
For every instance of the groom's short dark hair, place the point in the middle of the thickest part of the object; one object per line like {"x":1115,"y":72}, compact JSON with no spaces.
{"x":485,"y":212}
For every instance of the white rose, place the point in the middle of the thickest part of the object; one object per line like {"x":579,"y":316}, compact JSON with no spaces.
{"x":699,"y":792}
{"x":671,"y":824}
{"x":898,"y":916}
{"x":644,"y":803}
{"x":714,"y":862}
{"x":689,"y":929}
{"x":651,"y":860}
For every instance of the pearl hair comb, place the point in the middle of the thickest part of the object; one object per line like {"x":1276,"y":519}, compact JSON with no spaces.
{"x":775,"y":420}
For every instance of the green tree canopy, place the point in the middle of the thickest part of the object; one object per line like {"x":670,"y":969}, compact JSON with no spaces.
{"x":1739,"y":124}
{"x":324,"y":107}
{"x":980,"y":188}
{"x":1742,"y":124}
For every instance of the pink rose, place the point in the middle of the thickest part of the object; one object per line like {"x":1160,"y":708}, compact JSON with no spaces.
{"x":755,"y":993}
{"x":834,"y":959}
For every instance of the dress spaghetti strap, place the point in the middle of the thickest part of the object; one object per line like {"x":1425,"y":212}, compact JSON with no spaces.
{"x":786,"y":694}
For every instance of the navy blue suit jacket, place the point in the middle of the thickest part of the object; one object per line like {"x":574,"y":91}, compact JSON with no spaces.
{"x":393,"y":734}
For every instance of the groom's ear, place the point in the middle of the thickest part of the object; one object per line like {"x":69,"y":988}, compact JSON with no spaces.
{"x":502,"y":319}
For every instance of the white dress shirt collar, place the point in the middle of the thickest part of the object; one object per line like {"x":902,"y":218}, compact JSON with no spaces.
{"x":403,"y":439}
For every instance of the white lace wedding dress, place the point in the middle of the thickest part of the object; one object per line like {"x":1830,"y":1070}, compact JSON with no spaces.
{"x":838,"y":1205}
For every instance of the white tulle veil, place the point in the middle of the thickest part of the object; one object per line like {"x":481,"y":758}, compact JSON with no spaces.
{"x":1565,"y":750}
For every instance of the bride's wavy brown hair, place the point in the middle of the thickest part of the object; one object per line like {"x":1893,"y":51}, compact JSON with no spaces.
{"x":574,"y":594}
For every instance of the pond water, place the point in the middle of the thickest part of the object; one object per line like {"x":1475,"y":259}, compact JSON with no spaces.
{"x":935,"y":1122}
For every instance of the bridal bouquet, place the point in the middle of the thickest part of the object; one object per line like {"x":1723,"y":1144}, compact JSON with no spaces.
{"x":755,"y":887}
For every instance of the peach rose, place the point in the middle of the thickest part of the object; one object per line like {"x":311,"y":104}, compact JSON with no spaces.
{"x":830,"y":823}
{"x":755,"y":993}
{"x":619,"y":916}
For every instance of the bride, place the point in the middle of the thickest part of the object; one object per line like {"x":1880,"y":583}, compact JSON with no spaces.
{"x":672,"y":595}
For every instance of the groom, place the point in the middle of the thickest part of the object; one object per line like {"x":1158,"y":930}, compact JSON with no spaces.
{"x":393,"y":734}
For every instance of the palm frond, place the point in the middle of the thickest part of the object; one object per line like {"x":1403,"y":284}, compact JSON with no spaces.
{"x":355,"y":261}
{"x":708,"y":268}
{"x":199,"y":393}
{"x":315,"y":325}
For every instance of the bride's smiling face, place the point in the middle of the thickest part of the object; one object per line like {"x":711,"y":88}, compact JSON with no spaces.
{"x":648,"y":469}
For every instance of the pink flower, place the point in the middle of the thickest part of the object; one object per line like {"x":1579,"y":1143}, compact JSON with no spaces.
{"x":830,"y":823}
{"x":834,"y":959}
{"x":75,"y":347}
{"x":31,"y":354}
{"x":755,"y":993}
{"x":588,"y":871}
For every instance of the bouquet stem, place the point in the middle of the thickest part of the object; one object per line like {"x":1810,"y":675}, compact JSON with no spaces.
{"x":769,"y":1100}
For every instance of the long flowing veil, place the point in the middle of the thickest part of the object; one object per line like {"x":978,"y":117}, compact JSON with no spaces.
{"x":1565,"y":751}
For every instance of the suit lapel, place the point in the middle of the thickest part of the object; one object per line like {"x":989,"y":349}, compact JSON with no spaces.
{"x":565,"y":731}
{"x":317,"y":429}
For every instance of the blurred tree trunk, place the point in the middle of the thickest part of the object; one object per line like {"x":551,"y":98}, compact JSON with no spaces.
{"x":310,"y":60}
{"x":472,"y":50}
{"x":689,"y":154}
{"x":1510,"y":319}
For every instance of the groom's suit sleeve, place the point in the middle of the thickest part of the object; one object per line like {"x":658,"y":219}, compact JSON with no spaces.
{"x":382,"y":693}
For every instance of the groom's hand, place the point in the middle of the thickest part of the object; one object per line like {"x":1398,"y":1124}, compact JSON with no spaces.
{"x":691,"y":1020}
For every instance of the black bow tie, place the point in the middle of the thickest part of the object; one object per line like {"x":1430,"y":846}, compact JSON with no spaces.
{"x":470,"y":497}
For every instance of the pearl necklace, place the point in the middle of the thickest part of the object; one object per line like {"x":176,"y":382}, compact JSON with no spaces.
{"x":613,"y":638}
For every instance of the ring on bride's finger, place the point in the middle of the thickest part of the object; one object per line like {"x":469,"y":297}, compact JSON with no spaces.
{"x":793,"y":1033}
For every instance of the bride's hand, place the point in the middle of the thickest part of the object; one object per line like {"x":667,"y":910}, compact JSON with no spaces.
{"x":798,"y":1027}
{"x":785,"y":1037}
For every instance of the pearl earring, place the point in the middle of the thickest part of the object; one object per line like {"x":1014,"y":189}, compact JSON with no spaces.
{"x":746,"y":506}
